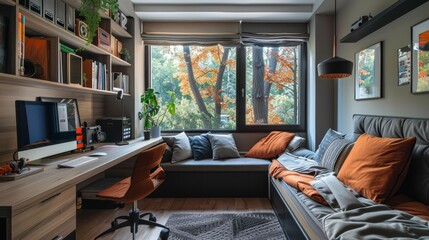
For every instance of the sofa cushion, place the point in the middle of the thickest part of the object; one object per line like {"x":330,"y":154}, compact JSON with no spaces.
{"x":211,"y":165}
{"x":329,"y":137}
{"x":223,"y":146}
{"x":296,"y":143}
{"x":333,"y":153}
{"x":376,"y":166}
{"x":201,"y":147}
{"x":180,"y":145}
{"x":271,"y":146}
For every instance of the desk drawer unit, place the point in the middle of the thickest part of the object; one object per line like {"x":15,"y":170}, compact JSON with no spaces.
{"x":53,"y":217}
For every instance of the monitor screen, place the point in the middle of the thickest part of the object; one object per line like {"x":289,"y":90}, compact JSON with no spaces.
{"x":43,"y":128}
{"x":68,"y":112}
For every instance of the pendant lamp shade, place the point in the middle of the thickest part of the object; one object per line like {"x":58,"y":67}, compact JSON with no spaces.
{"x":335,"y":67}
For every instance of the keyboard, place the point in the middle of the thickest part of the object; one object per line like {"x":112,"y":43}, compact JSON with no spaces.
{"x":77,"y":162}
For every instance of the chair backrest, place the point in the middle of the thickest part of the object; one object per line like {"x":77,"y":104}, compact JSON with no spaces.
{"x":142,"y":183}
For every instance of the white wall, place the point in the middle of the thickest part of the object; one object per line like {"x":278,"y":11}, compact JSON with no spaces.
{"x":397,"y":100}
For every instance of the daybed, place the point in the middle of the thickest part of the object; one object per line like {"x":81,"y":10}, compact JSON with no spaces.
{"x":231,"y":177}
{"x":303,"y":218}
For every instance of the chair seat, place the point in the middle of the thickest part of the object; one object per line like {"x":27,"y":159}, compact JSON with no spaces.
{"x":117,"y":190}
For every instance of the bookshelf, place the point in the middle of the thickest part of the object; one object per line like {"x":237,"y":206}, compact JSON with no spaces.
{"x":7,"y":2}
{"x":36,"y":26}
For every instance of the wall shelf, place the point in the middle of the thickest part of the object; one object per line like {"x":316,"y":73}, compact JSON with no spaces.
{"x":48,"y":29}
{"x":38,"y":83}
{"x":388,"y":15}
{"x":119,"y":62}
{"x":7,"y":2}
{"x":118,"y":31}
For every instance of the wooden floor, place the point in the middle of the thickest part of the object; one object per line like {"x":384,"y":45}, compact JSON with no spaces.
{"x":92,"y":222}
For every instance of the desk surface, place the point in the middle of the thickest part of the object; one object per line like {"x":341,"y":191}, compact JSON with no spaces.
{"x":18,"y":195}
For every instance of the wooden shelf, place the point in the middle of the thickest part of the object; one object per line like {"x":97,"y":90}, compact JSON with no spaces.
{"x":7,"y":2}
{"x":40,"y":25}
{"x":31,"y":82}
{"x":119,"y":62}
{"x":118,"y":31}
{"x":388,"y":15}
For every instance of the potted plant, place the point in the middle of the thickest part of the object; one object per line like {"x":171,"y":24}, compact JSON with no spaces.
{"x":89,"y":9}
{"x":124,"y":54}
{"x":150,"y":110}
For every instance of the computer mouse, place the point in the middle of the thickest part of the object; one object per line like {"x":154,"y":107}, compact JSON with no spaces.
{"x":97,"y":154}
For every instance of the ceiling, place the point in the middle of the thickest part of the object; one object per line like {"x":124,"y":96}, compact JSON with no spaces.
{"x":230,"y":10}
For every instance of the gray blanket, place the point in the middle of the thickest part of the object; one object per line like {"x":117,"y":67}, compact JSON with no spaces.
{"x":375,"y":222}
{"x":300,"y":164}
{"x":360,"y":218}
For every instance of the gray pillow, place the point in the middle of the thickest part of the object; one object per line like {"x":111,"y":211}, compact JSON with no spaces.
{"x":180,"y":145}
{"x":296,"y":142}
{"x":333,"y":153}
{"x":329,"y":137}
{"x":223,"y":146}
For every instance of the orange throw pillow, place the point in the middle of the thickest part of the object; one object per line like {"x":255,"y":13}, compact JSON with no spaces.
{"x":376,"y":167}
{"x":271,"y":146}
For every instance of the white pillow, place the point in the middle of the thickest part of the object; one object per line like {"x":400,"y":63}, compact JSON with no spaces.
{"x":181,"y":147}
{"x":296,"y":142}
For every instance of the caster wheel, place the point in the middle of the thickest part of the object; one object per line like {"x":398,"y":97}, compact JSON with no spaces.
{"x":163,"y":235}
{"x":114,"y":223}
{"x":152,"y":218}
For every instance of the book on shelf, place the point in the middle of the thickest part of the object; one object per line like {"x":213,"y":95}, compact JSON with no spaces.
{"x":21,"y":43}
{"x":121,"y":81}
{"x":96,"y":75}
{"x":3,"y":43}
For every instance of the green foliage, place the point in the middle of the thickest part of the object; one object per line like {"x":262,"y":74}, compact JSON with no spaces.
{"x":150,"y":108}
{"x":125,"y":52}
{"x":89,"y":9}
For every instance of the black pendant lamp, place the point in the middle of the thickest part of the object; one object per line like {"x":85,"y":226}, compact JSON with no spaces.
{"x":335,"y":67}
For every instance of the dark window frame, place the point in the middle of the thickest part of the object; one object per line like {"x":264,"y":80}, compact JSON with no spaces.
{"x":241,"y":125}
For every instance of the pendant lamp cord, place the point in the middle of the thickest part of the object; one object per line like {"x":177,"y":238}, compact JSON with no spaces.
{"x":335,"y":29}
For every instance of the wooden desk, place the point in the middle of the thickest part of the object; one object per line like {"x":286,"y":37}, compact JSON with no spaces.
{"x":43,"y":205}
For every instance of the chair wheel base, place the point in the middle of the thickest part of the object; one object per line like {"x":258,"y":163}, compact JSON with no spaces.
{"x":163,"y":235}
{"x":152,"y":218}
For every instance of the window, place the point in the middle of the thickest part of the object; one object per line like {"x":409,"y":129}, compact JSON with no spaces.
{"x":273,"y":82}
{"x":206,"y":80}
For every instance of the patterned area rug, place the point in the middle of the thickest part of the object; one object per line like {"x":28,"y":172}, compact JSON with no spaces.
{"x":225,"y":226}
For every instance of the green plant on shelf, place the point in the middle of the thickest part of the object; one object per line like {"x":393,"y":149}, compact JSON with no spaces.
{"x":89,"y":9}
{"x":124,"y":54}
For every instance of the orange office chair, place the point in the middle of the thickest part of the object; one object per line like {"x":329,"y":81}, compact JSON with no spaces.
{"x":141,"y":183}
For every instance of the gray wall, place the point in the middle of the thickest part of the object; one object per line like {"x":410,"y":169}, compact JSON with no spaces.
{"x":396,"y":100}
{"x":321,"y":92}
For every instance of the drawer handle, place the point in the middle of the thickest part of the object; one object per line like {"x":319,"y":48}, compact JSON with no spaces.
{"x":49,"y":198}
{"x":57,"y":238}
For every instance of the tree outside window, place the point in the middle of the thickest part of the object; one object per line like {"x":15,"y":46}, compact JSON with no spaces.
{"x":204,"y":79}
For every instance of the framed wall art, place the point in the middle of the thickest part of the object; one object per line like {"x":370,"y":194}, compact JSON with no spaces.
{"x":368,"y":72}
{"x":404,"y":66}
{"x":420,"y":57}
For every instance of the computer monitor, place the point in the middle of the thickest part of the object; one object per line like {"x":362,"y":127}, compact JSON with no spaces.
{"x":43,"y":129}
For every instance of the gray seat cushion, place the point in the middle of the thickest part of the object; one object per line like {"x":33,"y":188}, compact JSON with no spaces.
{"x":226,"y":165}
